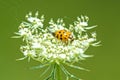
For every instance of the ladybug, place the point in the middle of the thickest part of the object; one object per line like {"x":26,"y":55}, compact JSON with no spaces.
{"x":63,"y":35}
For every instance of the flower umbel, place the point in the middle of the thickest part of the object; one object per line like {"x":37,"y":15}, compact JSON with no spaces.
{"x":46,"y":44}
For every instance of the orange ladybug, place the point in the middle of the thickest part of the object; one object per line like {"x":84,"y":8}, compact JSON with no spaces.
{"x":63,"y":35}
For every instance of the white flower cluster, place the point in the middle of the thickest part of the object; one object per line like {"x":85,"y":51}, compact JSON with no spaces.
{"x":41,"y":45}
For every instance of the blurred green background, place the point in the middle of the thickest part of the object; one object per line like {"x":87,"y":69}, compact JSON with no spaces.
{"x":104,"y":65}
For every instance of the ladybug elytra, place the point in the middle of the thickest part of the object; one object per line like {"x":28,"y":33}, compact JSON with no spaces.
{"x":63,"y":35}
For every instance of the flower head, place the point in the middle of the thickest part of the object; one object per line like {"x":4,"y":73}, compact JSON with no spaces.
{"x":42,"y":45}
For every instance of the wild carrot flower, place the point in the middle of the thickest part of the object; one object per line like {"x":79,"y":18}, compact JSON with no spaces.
{"x":42,"y":44}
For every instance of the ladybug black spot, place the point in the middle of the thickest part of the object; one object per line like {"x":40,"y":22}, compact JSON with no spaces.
{"x":60,"y":38}
{"x":60,"y":35}
{"x":57,"y":36}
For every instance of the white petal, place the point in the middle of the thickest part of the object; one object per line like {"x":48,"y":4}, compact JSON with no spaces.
{"x":63,"y":56}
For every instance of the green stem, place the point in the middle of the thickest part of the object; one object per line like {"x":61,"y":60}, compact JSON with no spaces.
{"x":58,"y":72}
